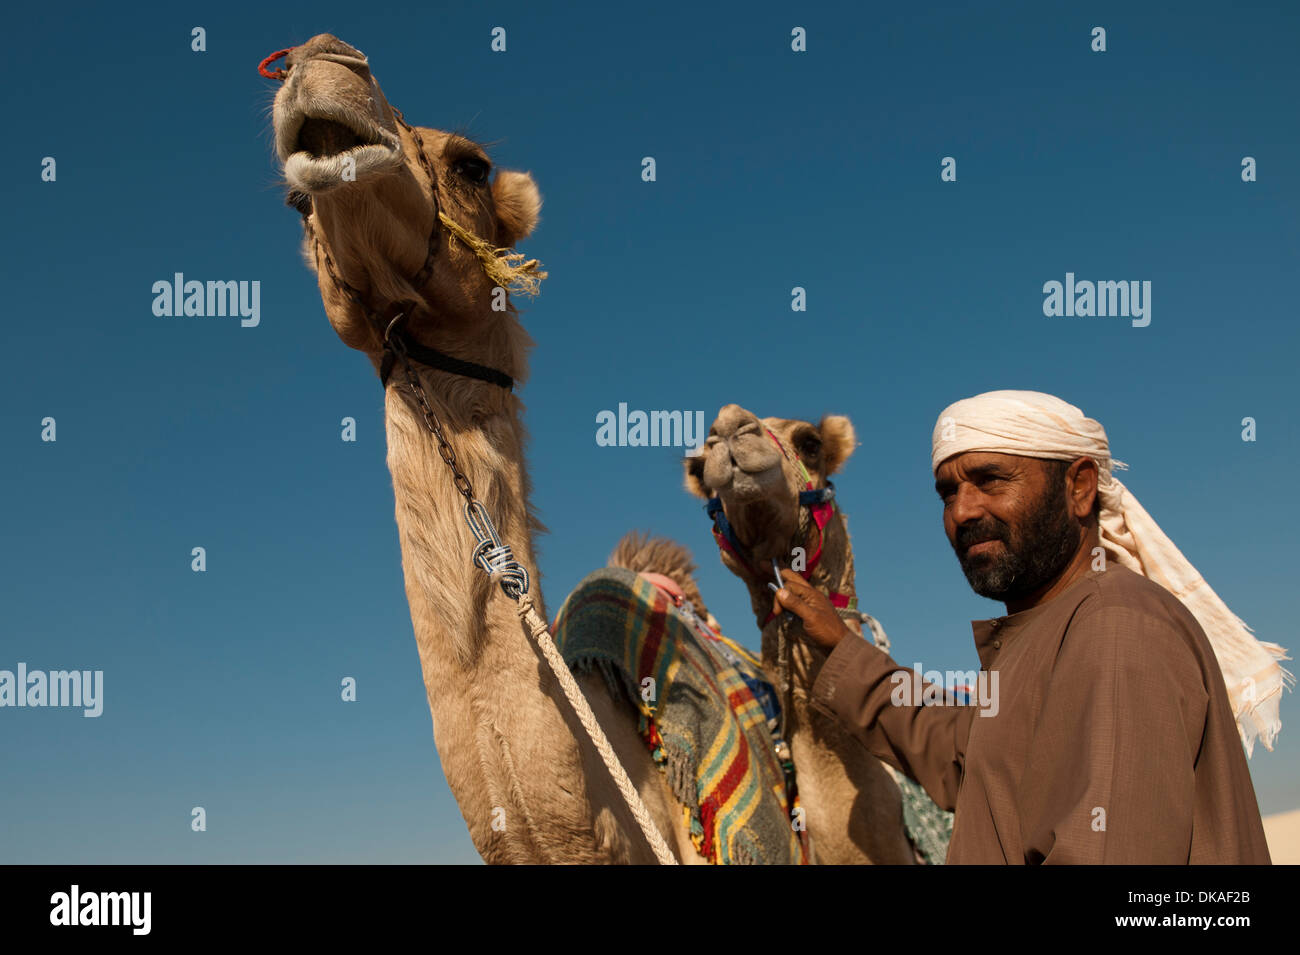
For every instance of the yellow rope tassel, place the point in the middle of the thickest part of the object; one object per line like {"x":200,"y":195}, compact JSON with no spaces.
{"x":507,"y":269}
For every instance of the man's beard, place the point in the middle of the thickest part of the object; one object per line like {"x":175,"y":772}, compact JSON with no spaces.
{"x":1034,"y":553}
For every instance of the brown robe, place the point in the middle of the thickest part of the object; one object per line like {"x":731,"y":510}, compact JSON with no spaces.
{"x":1113,"y":740}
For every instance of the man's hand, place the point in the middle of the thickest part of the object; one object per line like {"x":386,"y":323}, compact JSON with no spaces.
{"x":820,"y":621}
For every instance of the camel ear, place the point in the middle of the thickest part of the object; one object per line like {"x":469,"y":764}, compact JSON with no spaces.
{"x":518,"y":205}
{"x":838,"y":441}
{"x":694,"y":466}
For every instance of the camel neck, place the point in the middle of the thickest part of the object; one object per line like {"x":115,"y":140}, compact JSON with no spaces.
{"x":832,"y":574}
{"x":482,"y":426}
{"x":500,"y":723}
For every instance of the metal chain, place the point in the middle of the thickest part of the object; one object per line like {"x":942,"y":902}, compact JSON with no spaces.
{"x":431,"y":422}
{"x":491,"y":554}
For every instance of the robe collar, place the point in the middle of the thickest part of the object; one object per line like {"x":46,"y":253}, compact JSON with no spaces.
{"x":995,"y":635}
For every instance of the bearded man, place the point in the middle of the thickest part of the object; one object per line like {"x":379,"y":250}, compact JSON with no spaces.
{"x":1127,"y":688}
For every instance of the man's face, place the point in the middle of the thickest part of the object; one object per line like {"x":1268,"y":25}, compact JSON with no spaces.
{"x":1008,"y":520}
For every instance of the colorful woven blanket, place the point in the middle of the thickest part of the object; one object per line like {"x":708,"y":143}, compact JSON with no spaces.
{"x":695,"y":693}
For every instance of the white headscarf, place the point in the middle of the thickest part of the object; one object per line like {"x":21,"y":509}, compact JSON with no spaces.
{"x":1035,"y":425}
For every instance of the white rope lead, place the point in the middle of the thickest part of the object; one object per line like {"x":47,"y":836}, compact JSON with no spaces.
{"x":494,"y":557}
{"x":542,"y":635}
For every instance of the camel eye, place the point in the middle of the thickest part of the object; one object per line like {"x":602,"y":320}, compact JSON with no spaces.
{"x":810,"y":446}
{"x":474,"y":170}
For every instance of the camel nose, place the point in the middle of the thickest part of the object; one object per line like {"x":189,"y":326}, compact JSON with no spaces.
{"x":332,"y":49}
{"x":361,"y":66}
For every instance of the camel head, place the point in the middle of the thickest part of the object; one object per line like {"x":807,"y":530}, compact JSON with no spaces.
{"x":752,"y":465}
{"x":361,"y":178}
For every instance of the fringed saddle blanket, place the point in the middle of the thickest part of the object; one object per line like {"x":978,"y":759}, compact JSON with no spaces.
{"x":699,"y":714}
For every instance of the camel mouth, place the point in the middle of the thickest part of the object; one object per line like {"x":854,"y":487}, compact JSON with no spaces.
{"x":326,"y":148}
{"x":321,"y":137}
{"x":748,"y":487}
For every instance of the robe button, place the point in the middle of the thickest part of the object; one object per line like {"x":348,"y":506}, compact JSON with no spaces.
{"x":997,"y":644}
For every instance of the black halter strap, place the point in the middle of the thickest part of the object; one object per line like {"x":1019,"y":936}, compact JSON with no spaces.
{"x":396,"y":344}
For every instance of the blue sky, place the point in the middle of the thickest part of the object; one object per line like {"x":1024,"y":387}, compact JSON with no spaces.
{"x":775,"y":170}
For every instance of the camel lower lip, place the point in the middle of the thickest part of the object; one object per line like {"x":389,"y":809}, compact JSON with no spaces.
{"x":316,"y":175}
{"x":303,"y":155}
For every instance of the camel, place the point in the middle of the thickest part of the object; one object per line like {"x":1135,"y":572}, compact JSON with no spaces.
{"x":755,"y":469}
{"x":405,"y":229}
{"x":407,"y":233}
